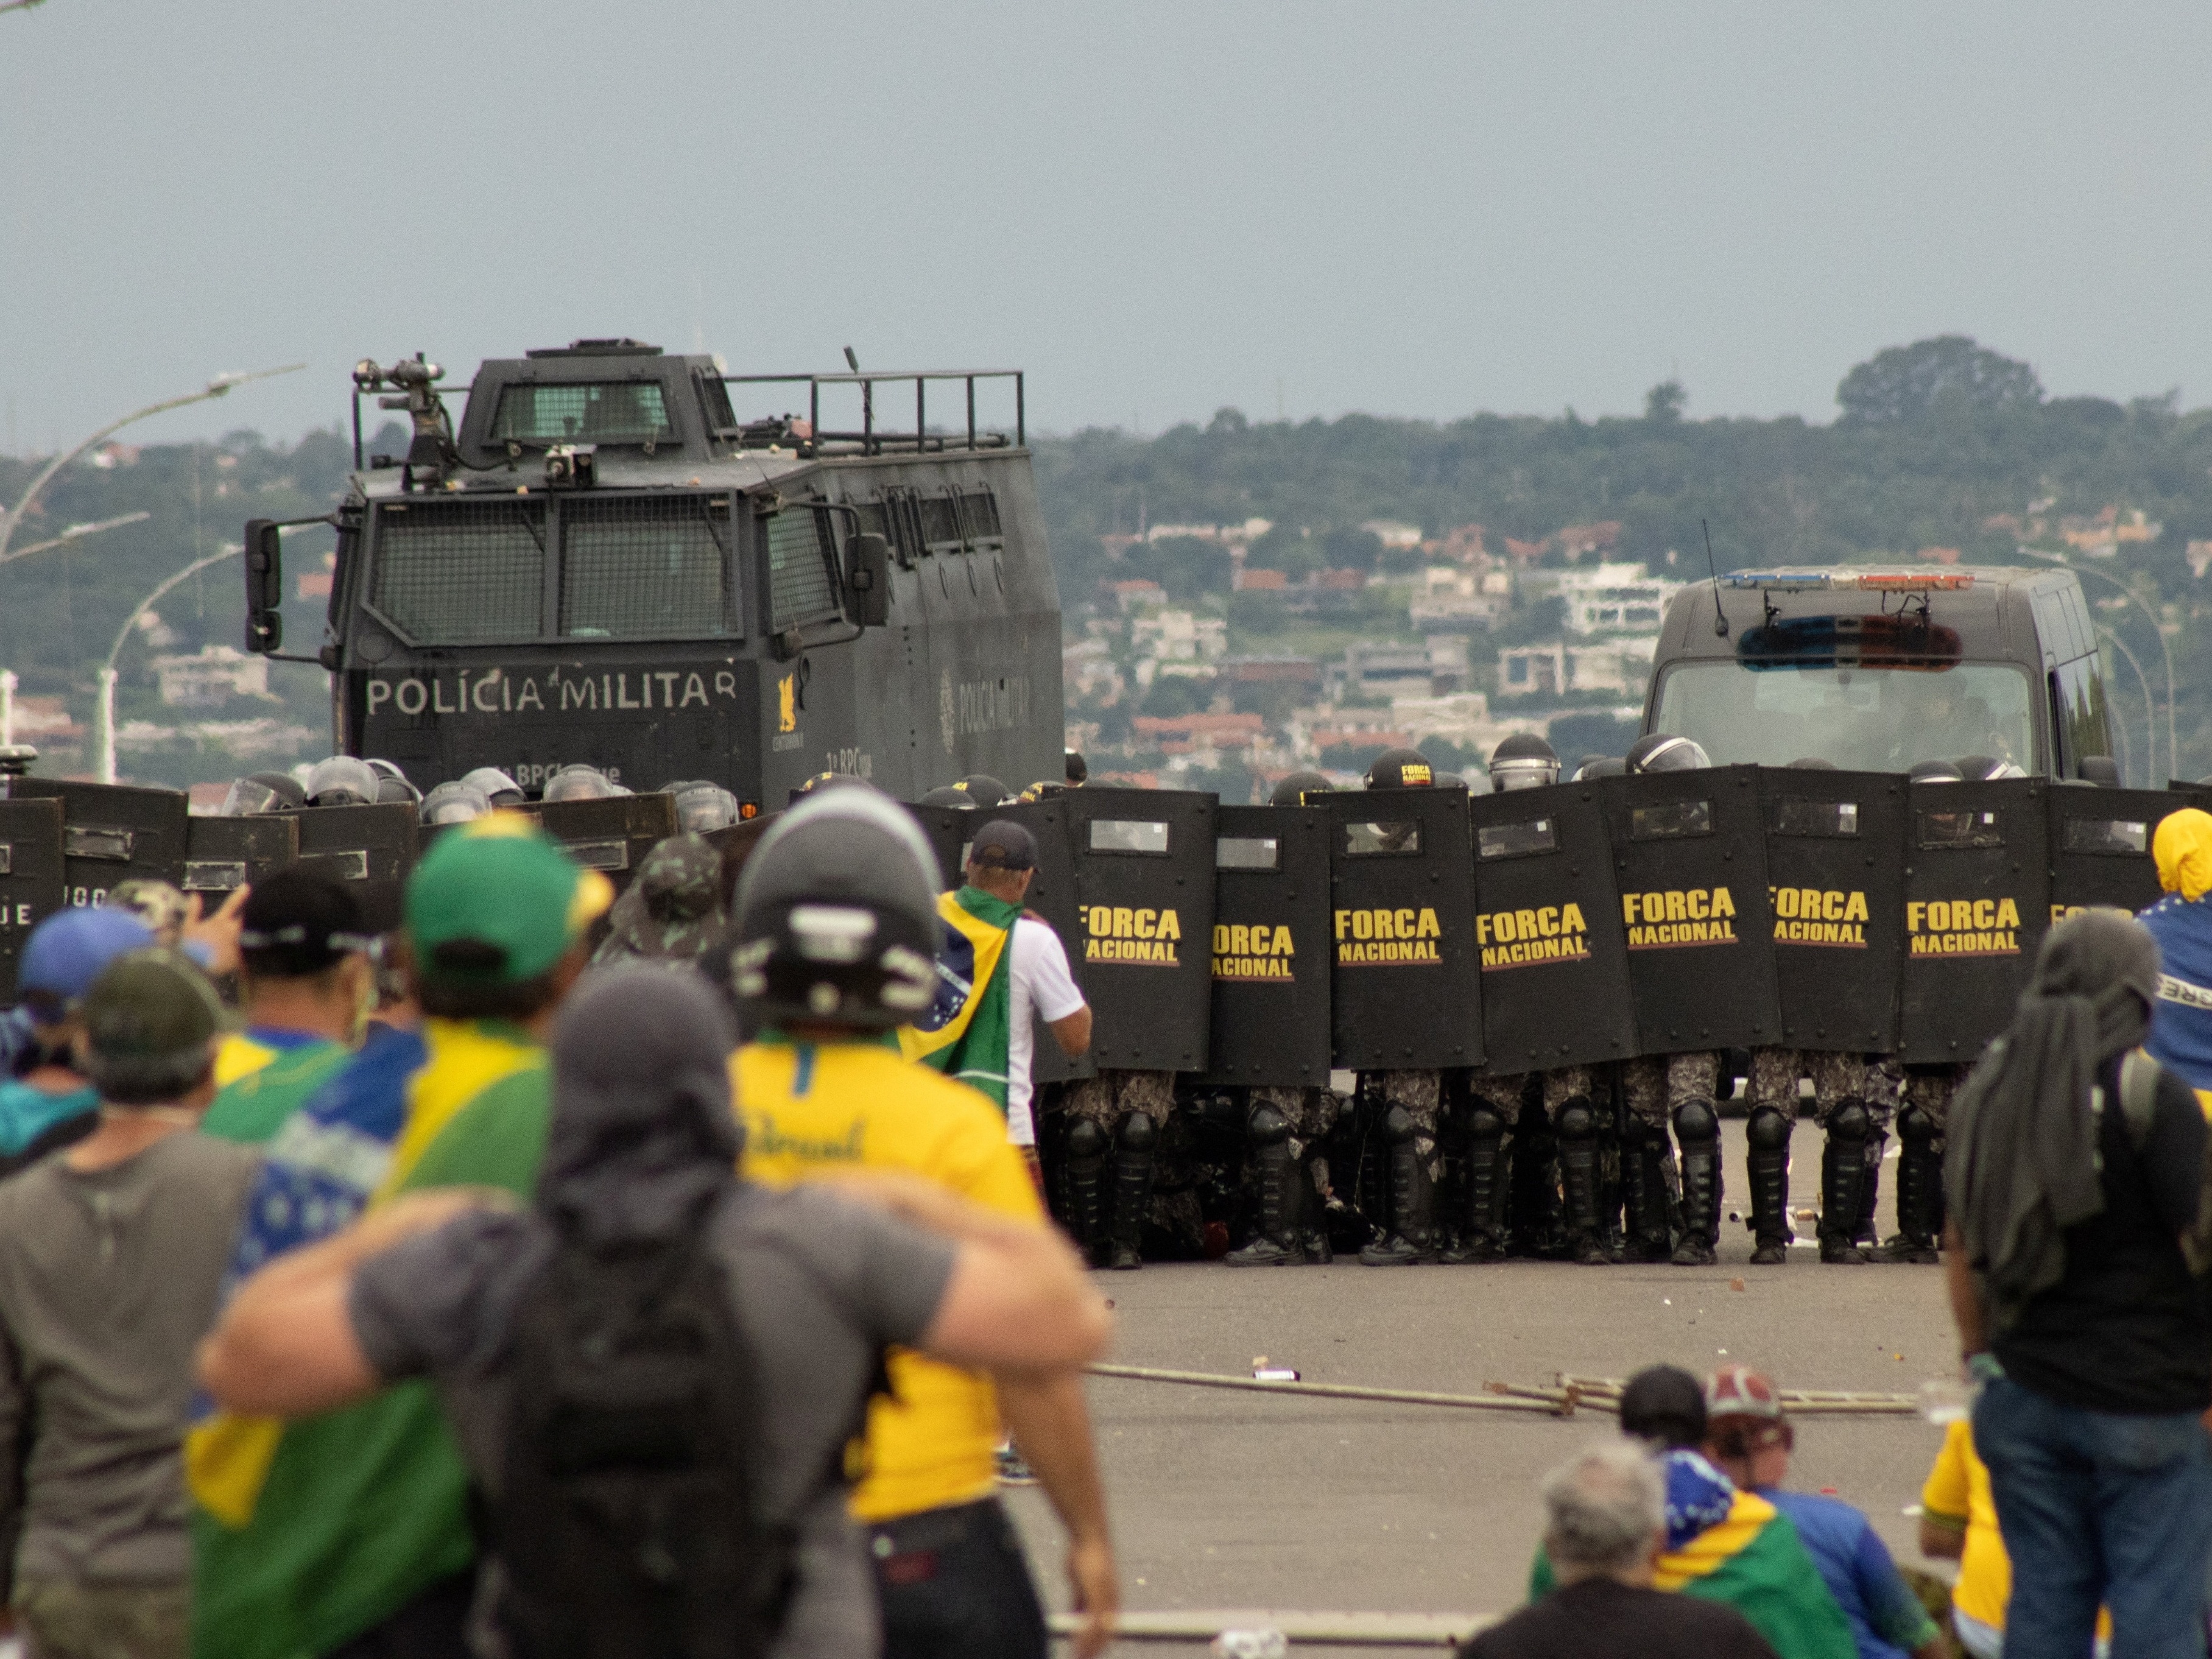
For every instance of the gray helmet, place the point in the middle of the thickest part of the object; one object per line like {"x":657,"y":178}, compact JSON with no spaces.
{"x":949,"y":794}
{"x":838,"y":917}
{"x":1938,"y":771}
{"x":1657,"y":753}
{"x":701,"y":806}
{"x":987,"y":790}
{"x":579,"y":782}
{"x":454,"y":802}
{"x":1523,"y":761}
{"x":498,"y":789}
{"x":262,"y":792}
{"x":1601,"y":766}
{"x":342,"y":781}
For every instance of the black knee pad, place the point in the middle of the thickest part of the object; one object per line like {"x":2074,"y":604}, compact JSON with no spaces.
{"x":1768,"y":1130}
{"x":1138,"y":1133}
{"x":1397,"y":1124}
{"x":1085,"y":1140}
{"x":1696,"y":1122}
{"x":1268,"y":1127}
{"x":1850,"y":1121}
{"x":1577,"y":1121}
{"x":1915,"y":1127}
{"x":1483,"y":1123}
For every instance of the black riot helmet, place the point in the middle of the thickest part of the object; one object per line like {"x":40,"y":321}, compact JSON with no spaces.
{"x":1401,"y":768}
{"x":837,"y":915}
{"x":1987,"y":769}
{"x":1658,"y":752}
{"x":1601,"y":766}
{"x":1938,"y":771}
{"x":986,"y":790}
{"x":824,"y":780}
{"x":949,"y":794}
{"x":1299,"y":789}
{"x":1523,"y":761}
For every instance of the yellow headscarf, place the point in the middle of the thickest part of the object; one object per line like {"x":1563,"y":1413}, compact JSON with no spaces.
{"x":2183,"y":848}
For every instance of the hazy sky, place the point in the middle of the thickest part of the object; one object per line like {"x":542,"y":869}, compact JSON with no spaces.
{"x":1156,"y":210}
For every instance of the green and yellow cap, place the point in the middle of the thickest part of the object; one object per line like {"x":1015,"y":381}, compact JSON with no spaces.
{"x":495,"y":902}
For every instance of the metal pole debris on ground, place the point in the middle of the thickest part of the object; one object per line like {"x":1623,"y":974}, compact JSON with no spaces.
{"x":1560,"y":1400}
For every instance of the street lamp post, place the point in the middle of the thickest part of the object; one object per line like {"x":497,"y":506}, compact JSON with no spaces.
{"x":10,"y":518}
{"x":106,"y":721}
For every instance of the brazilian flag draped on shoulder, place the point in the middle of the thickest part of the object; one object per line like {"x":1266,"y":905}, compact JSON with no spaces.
{"x":966,"y":1032}
{"x":1726,"y":1545}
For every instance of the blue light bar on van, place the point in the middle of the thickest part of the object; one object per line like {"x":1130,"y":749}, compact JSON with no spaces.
{"x":1851,"y":581}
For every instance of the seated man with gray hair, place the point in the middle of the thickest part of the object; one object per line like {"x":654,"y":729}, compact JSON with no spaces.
{"x":1605,"y":1524}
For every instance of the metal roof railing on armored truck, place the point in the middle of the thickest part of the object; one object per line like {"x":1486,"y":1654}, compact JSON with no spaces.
{"x":872,"y":440}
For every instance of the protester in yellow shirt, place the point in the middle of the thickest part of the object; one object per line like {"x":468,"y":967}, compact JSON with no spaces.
{"x":837,"y":926}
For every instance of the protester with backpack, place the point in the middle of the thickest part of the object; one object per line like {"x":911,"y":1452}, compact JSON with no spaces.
{"x":658,"y":1345}
{"x":822,"y":1091}
{"x":2073,"y":1174}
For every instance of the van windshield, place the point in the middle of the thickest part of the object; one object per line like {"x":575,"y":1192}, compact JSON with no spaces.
{"x":1863,"y":720}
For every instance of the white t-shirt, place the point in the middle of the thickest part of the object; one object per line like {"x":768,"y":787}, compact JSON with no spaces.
{"x":1040,"y":982}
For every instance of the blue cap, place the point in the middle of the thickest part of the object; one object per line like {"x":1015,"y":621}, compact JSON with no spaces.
{"x":68,"y":950}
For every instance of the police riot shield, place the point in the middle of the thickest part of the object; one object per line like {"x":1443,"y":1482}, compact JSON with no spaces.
{"x":370,"y":848}
{"x":2100,"y":845}
{"x":1835,"y":881}
{"x":224,"y":854}
{"x":1144,"y":910}
{"x":735,"y":842}
{"x":1689,"y":857}
{"x":30,"y":877}
{"x":612,"y":835}
{"x":948,"y":829}
{"x":1271,"y":961}
{"x":1547,"y":931}
{"x":1404,"y":992}
{"x":113,"y":833}
{"x":1977,"y":904}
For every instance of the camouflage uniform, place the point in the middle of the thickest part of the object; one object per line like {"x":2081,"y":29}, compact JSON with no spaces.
{"x":1411,"y":1105}
{"x":1680,"y":1091}
{"x":1312,"y":1114}
{"x":1283,"y":1129}
{"x":1852,"y":1102}
{"x":673,"y":910}
{"x":1132,"y":1113}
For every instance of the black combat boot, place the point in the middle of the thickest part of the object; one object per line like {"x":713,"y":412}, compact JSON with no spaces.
{"x":1133,"y":1192}
{"x":1408,"y":1240}
{"x":1275,"y":1241}
{"x":1645,"y":1160}
{"x":1767,"y":1156}
{"x":1844,"y":1183}
{"x":1487,"y":1187}
{"x":1082,"y":1186}
{"x":1869,"y":1198}
{"x":1919,"y":1190}
{"x":1577,"y":1130}
{"x":1697,"y":1126}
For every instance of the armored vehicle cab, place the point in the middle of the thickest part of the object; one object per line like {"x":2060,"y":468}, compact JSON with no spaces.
{"x":606,"y":564}
{"x":1875,"y":671}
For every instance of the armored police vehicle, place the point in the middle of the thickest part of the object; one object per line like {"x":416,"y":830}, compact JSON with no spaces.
{"x":604,"y":563}
{"x":1877,"y":671}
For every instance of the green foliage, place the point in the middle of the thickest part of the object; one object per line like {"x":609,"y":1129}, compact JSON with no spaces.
{"x":1910,"y":383}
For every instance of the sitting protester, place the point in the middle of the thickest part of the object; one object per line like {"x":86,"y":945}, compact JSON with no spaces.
{"x":53,"y":1102}
{"x":1749,"y":1437}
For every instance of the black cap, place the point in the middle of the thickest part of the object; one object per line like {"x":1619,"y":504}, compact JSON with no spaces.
{"x":1078,"y":769}
{"x":1664,"y":1403}
{"x":298,"y":922}
{"x":1002,"y":844}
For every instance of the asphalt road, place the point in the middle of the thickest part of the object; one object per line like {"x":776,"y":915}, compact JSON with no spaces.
{"x":1238,"y":1500}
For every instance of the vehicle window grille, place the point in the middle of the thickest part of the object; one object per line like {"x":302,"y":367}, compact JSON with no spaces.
{"x":872,"y":520}
{"x":940,"y":523}
{"x":981,"y":509}
{"x":455,"y":572}
{"x":600,"y":412}
{"x":800,"y":588}
{"x":903,"y":524}
{"x":715,"y":398}
{"x":642,"y":568}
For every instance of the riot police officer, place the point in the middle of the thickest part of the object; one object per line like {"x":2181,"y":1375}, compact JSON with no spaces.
{"x":1852,"y":1103}
{"x":1678,"y":1090}
{"x":1283,"y":1134}
{"x":1410,"y":1102}
{"x":1115,"y":1120}
{"x":1566,"y":1122}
